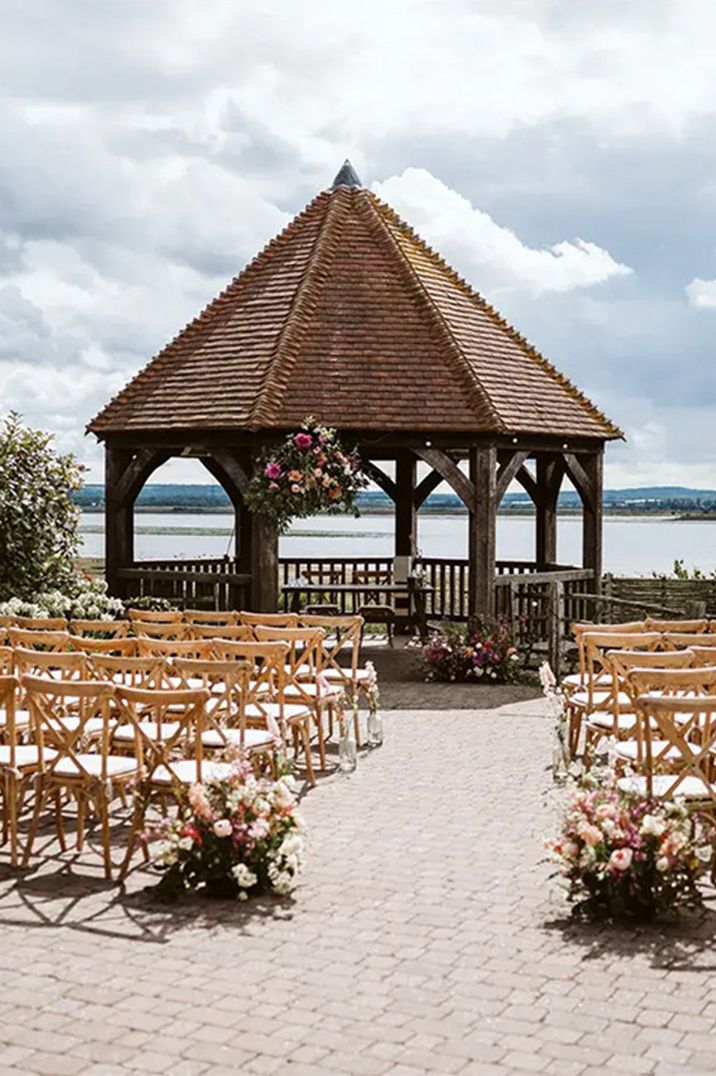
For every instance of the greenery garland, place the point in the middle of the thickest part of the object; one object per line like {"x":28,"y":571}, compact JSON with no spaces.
{"x":307,"y":473}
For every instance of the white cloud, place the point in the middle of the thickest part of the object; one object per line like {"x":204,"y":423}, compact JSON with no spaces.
{"x":490,"y":255}
{"x":702,"y":293}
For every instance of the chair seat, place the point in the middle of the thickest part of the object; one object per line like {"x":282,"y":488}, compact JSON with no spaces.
{"x":186,"y":772}
{"x":599,"y":698}
{"x":347,"y":675}
{"x":292,"y":711}
{"x":91,"y":727}
{"x":254,"y":739}
{"x":26,"y":755}
{"x":117,"y":766}
{"x":629,"y":750}
{"x":603,"y":719}
{"x":151,"y":729}
{"x":194,"y":683}
{"x":691,"y":788}
{"x":312,"y":691}
{"x":22,"y":719}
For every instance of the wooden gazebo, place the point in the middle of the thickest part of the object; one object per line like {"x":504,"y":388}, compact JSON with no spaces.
{"x":349,"y":316}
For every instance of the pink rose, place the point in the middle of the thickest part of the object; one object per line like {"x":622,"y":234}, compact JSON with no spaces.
{"x":303,"y":440}
{"x":222,"y":828}
{"x":295,"y":488}
{"x":621,"y":859}
{"x":273,"y":470}
{"x":604,"y":810}
{"x":590,"y":834}
{"x":259,"y":829}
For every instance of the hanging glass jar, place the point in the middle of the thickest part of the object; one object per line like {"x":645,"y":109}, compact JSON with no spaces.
{"x":375,"y":728}
{"x":347,"y":750}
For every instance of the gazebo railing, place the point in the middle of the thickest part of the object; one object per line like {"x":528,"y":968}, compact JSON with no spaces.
{"x":202,"y":583}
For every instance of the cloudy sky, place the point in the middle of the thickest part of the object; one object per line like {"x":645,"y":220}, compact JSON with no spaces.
{"x":561,"y":153}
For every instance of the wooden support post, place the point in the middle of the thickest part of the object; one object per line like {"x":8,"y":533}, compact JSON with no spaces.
{"x":555,"y":625}
{"x":119,"y":520}
{"x":264,"y":564}
{"x":592,"y":518}
{"x":406,"y":516}
{"x":483,"y":513}
{"x":549,"y":476}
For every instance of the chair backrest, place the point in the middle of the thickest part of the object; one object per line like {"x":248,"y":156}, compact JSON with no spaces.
{"x":39,"y":623}
{"x":38,"y":640}
{"x":168,"y":726}
{"x":226,"y":681}
{"x":622,"y":662}
{"x":8,"y":621}
{"x":155,"y":616}
{"x":620,"y":629}
{"x":267,"y":676}
{"x":341,"y":633}
{"x":7,"y":661}
{"x":704,"y":655}
{"x":373,"y":575}
{"x":269,"y":620}
{"x":689,"y":763}
{"x":52,"y":664}
{"x":9,"y":686}
{"x":48,"y":702}
{"x":305,"y":647}
{"x":675,"y":640}
{"x":126,"y":647}
{"x":596,"y":645}
{"x":698,"y":680}
{"x":149,"y":672}
{"x":239,"y":632}
{"x":210,"y":616}
{"x":683,"y":627}
{"x":176,"y":629}
{"x":171,"y":648}
{"x":102,"y":629}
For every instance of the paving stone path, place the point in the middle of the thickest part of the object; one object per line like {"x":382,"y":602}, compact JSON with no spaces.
{"x":426,"y":938}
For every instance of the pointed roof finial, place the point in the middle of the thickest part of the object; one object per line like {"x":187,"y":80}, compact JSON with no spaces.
{"x":347,"y":176}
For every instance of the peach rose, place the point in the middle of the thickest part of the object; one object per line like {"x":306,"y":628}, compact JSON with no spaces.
{"x":621,"y":858}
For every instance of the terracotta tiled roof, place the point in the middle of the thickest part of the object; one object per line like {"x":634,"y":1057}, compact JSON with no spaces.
{"x":349,"y":316}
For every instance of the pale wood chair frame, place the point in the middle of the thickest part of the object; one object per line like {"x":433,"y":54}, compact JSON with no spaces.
{"x":157,"y":616}
{"x":210,"y":616}
{"x":38,"y":640}
{"x":126,"y":647}
{"x":660,"y":712}
{"x":107,"y":629}
{"x":39,"y":623}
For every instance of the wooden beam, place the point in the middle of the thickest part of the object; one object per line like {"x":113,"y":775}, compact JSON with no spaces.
{"x":579,"y":476}
{"x":119,"y":520}
{"x":508,"y":471}
{"x":406,"y":516}
{"x":450,"y":472}
{"x":137,"y":471}
{"x":592,"y":522}
{"x":550,"y":469}
{"x":232,"y":467}
{"x":381,"y":479}
{"x":528,"y":484}
{"x":425,"y":487}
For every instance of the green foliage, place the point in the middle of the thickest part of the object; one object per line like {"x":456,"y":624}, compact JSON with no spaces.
{"x":39,"y":523}
{"x":681,"y":571}
{"x":307,"y":473}
{"x":150,"y":603}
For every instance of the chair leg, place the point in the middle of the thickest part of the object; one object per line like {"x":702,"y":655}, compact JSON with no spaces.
{"x":318,"y":716}
{"x":10,"y":812}
{"x":80,"y":822}
{"x":137,"y":825}
{"x":59,"y":828}
{"x":40,"y":797}
{"x":103,"y":810}
{"x":305,"y":737}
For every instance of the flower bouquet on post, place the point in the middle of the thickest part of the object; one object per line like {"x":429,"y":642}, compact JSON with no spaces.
{"x":232,"y":838}
{"x":307,"y":473}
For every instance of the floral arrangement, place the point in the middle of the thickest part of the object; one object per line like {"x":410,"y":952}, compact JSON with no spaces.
{"x":626,"y":857}
{"x":84,"y":599}
{"x":233,"y":838}
{"x":307,"y":473}
{"x":553,"y":693}
{"x":479,"y":652}
{"x":150,"y":603}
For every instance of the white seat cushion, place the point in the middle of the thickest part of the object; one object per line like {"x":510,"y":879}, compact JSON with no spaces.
{"x":346,"y":675}
{"x":628,"y":749}
{"x":253,"y":738}
{"x":599,"y":698}
{"x":313,"y":691}
{"x":602,"y":719}
{"x":22,"y":719}
{"x":185,"y":771}
{"x":25,"y":755}
{"x":117,"y":766}
{"x":291,"y":711}
{"x":92,"y":726}
{"x":150,"y":729}
{"x":691,"y":788}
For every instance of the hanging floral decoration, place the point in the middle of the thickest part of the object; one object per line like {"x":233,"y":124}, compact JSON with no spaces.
{"x":307,"y":473}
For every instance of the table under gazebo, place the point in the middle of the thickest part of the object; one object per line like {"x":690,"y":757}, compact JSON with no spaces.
{"x":348,"y":316}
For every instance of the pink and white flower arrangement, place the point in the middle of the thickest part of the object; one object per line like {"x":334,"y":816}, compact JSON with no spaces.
{"x":307,"y":473}
{"x":625,"y":857}
{"x":479,"y":652}
{"x":233,"y":838}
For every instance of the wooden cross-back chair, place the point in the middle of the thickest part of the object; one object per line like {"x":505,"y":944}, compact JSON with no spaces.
{"x":167,"y":728}
{"x":51,"y":664}
{"x":229,"y":685}
{"x":123,"y":647}
{"x":575,"y":681}
{"x":101,"y":629}
{"x":619,"y":721}
{"x":171,"y":648}
{"x":704,"y":655}
{"x":92,"y":778}
{"x":304,"y":683}
{"x":599,"y":691}
{"x":269,"y":620}
{"x":374,"y":606}
{"x":38,"y":640}
{"x":210,"y":616}
{"x":264,"y":701}
{"x":40,"y":623}
{"x":147,"y":672}
{"x":8,"y":621}
{"x":18,"y":763}
{"x":155,"y":616}
{"x":677,"y":735}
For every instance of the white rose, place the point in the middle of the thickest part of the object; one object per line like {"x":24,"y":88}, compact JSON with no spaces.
{"x":222,"y":828}
{"x":662,"y":865}
{"x":652,"y":825}
{"x":244,"y":876}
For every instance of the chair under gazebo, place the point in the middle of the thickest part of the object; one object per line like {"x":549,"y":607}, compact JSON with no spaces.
{"x":348,"y":316}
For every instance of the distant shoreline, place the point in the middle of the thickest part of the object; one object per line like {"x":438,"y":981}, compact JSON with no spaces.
{"x":512,"y":513}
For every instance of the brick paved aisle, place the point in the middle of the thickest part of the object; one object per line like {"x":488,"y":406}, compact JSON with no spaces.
{"x":425,"y":938}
